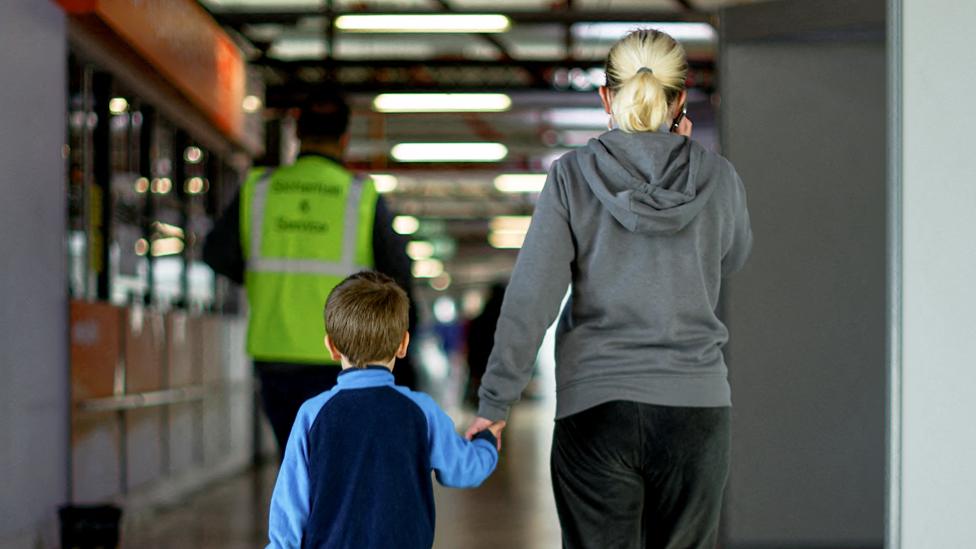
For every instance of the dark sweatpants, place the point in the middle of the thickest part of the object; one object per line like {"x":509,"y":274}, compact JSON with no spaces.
{"x":632,"y":475}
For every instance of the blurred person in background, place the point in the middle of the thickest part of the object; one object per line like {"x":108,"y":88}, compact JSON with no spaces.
{"x":480,"y":339}
{"x":290,"y":236}
{"x":642,"y":224}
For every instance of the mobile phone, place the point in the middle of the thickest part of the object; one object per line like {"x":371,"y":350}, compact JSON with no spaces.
{"x":679,"y":118}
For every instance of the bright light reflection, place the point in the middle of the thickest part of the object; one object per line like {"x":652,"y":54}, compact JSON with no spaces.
{"x":511,"y":224}
{"x":445,"y":310}
{"x":450,"y":23}
{"x":449,"y":152}
{"x":193,"y":155}
{"x":506,"y":240}
{"x":406,"y":224}
{"x":142,"y":185}
{"x":441,"y":282}
{"x":427,"y":268}
{"x":195,"y":185}
{"x":420,"y":249}
{"x":167,"y":246}
{"x":520,"y":182}
{"x":442,"y":102}
{"x":384,"y":182}
{"x":118,"y":105}
{"x":251,"y":104}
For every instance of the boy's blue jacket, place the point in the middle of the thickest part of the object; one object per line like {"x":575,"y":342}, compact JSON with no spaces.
{"x":356,"y":471}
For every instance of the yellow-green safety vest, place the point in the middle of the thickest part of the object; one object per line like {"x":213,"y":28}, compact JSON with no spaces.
{"x":304,"y":228}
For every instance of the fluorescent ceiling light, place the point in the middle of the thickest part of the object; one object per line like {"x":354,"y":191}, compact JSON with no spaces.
{"x":384,"y":182}
{"x":455,"y":22}
{"x":520,"y":182}
{"x":449,"y":152}
{"x":682,"y":32}
{"x":420,"y":249}
{"x":288,"y":48}
{"x":506,"y":240}
{"x":511,"y":224}
{"x":406,"y":224}
{"x":442,"y":102}
{"x":576,"y":118}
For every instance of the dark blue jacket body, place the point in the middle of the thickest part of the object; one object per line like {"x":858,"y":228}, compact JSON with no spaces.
{"x":357,"y":467}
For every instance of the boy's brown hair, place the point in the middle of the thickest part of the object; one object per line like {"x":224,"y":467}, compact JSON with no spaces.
{"x":366,"y":316}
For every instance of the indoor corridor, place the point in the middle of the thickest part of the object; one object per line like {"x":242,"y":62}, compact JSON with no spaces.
{"x":513,"y":509}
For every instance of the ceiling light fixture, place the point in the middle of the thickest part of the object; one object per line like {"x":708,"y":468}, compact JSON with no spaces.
{"x":682,"y":32}
{"x":406,"y":224}
{"x":447,"y":23}
{"x":384,"y":182}
{"x":442,"y":102}
{"x":520,"y":182}
{"x":449,"y":152}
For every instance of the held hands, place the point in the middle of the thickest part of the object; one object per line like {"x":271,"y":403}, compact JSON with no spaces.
{"x":480,"y":424}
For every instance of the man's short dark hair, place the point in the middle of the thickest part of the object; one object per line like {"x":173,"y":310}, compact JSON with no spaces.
{"x":323,"y":115}
{"x":366,"y":316}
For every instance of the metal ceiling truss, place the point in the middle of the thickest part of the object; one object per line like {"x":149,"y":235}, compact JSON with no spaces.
{"x":292,"y":78}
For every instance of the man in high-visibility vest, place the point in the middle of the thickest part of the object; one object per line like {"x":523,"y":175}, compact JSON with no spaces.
{"x":291,"y":235}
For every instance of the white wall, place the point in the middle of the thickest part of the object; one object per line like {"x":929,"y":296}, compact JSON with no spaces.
{"x":938,"y":286}
{"x":33,"y":323}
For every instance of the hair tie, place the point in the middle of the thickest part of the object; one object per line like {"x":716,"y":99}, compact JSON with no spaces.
{"x":645,"y":69}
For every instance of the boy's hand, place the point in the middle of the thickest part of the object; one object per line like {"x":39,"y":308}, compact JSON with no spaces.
{"x":480,"y":424}
{"x":496,"y":429}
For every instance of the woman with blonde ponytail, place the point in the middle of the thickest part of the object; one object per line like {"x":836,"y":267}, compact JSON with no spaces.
{"x":641,"y":224}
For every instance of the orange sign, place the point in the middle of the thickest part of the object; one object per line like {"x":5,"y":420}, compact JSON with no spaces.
{"x":185,"y":45}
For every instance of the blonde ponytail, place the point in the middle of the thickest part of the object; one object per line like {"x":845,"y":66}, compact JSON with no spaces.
{"x":646,"y":72}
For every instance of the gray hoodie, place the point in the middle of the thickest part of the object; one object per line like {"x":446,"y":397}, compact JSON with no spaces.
{"x":642,"y":227}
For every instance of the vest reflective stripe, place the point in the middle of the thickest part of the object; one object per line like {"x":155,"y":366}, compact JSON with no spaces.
{"x":256,"y":262}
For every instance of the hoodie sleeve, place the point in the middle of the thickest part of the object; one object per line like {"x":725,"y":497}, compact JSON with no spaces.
{"x":737,"y":254}
{"x":457,"y":463}
{"x":290,"y":499}
{"x":539,"y":282}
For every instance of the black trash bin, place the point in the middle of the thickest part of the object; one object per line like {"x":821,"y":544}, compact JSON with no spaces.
{"x":90,"y":526}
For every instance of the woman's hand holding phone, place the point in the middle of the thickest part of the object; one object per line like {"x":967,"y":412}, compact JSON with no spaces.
{"x":682,"y":124}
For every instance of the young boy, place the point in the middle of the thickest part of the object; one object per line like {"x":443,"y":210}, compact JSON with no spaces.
{"x":356,"y":471}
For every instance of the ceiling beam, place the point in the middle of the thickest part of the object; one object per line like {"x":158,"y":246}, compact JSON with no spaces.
{"x":436,"y":75}
{"x":236,"y":18}
{"x":490,"y":38}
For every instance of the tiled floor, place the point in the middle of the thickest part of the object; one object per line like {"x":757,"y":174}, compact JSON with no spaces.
{"x":512,"y":510}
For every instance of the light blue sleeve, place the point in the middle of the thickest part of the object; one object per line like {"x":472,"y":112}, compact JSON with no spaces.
{"x":290,"y":500}
{"x":457,"y":462}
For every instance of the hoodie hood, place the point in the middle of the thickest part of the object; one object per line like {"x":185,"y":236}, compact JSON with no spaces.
{"x":648,"y":181}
